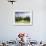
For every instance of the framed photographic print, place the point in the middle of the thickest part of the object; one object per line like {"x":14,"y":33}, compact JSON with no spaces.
{"x":23,"y":18}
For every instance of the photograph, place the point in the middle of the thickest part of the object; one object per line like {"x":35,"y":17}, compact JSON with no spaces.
{"x":23,"y":18}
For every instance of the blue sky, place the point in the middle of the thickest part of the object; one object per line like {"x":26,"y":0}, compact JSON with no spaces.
{"x":22,"y":14}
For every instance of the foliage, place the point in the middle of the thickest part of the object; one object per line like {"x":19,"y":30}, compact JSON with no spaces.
{"x":27,"y":18}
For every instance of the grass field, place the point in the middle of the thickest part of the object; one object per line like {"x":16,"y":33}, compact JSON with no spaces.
{"x":22,"y":21}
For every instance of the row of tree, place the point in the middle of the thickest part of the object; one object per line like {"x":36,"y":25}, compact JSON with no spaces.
{"x":22,"y":18}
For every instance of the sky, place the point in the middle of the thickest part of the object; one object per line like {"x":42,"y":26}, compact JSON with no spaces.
{"x":23,"y":14}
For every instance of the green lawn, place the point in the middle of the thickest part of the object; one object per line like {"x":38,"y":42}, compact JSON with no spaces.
{"x":22,"y":21}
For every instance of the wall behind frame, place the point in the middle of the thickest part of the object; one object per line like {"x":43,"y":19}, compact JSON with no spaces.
{"x":9,"y":31}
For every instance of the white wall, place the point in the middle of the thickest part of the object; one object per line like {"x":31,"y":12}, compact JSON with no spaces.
{"x":9,"y":31}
